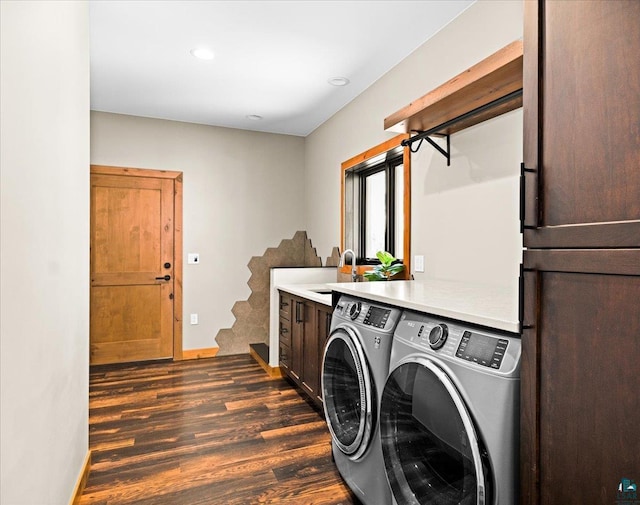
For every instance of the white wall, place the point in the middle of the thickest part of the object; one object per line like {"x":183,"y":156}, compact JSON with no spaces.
{"x":243,"y":193}
{"x":44,"y":250}
{"x":464,"y":217}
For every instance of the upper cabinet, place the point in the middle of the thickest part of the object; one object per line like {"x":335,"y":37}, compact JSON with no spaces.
{"x":486,"y":90}
{"x":582,"y":124}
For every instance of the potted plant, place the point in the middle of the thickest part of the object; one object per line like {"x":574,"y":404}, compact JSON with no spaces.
{"x":388,"y":267}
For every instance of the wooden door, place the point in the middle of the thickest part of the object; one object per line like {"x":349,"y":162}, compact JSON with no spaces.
{"x":581,"y":103}
{"x":580,"y":376}
{"x":133,"y":265}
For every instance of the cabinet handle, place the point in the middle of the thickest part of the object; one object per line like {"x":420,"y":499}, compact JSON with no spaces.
{"x":283,"y":331}
{"x":283,"y":305}
{"x":299,"y":318}
{"x":526,"y":204}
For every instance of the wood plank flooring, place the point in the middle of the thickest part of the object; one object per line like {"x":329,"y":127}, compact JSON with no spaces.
{"x":214,"y":431}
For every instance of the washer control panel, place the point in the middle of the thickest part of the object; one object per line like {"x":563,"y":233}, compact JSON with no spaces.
{"x":362,"y":312}
{"x":459,"y":341}
{"x":377,"y":317}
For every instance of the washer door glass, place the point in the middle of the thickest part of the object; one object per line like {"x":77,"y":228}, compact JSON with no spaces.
{"x":347,"y":393}
{"x":431,"y":451}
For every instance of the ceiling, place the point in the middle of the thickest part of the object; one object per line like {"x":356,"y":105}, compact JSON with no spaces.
{"x":272,"y":59}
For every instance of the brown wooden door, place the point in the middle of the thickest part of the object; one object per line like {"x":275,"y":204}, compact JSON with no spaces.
{"x":581,"y":102}
{"x":132,"y":268}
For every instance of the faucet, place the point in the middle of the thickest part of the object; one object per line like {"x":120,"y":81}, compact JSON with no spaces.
{"x":354,"y":272}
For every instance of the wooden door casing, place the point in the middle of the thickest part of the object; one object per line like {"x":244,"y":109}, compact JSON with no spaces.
{"x":581,"y":102}
{"x":135,"y":242}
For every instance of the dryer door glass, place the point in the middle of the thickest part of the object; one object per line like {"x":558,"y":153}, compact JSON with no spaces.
{"x":347,"y":393}
{"x":431,"y":451}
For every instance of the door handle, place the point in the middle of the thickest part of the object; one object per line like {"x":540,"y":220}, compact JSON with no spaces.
{"x":164,"y":278}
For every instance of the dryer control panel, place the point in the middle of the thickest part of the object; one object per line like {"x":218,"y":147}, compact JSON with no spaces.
{"x":482,"y":349}
{"x":457,"y":341}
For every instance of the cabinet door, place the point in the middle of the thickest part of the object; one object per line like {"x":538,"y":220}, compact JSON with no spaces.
{"x":310,"y":350}
{"x":580,"y":376}
{"x":297,"y":339}
{"x":323,"y":323}
{"x":285,"y":306}
{"x":581,"y":102}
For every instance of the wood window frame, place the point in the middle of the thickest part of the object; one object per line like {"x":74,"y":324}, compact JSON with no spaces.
{"x":177,"y":238}
{"x":384,"y":147}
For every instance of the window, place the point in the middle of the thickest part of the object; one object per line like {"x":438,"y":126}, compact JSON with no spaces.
{"x":375,"y":203}
{"x":382,"y":208}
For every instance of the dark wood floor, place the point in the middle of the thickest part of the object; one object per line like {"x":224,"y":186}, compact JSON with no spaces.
{"x":212,"y":431}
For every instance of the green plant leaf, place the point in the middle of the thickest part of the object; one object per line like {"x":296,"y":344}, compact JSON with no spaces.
{"x":374,"y":275}
{"x":385,"y":258}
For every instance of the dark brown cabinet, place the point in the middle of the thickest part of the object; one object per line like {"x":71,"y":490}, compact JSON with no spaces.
{"x":304,"y":330}
{"x":581,"y":214}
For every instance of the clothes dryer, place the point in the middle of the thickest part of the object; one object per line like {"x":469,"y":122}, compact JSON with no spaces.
{"x":355,"y":366}
{"x":449,"y":415}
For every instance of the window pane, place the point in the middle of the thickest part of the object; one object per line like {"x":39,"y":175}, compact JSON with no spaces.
{"x":399,"y":213}
{"x":375,"y":213}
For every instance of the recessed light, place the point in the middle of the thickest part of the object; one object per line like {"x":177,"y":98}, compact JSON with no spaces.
{"x":202,"y":53}
{"x":338,"y":81}
{"x":254,"y":117}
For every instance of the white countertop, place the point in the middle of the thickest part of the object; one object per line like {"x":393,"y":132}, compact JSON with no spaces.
{"x":309,"y":291}
{"x":490,"y":306}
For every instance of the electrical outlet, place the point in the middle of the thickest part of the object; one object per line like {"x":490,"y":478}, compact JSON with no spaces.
{"x":194,"y":318}
{"x":193,"y":258}
{"x":418,"y":263}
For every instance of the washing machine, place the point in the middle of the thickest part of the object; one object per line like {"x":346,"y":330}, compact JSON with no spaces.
{"x":355,"y":366}
{"x":449,"y":414}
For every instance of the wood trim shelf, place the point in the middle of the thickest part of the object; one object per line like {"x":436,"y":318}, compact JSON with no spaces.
{"x":485,"y":82}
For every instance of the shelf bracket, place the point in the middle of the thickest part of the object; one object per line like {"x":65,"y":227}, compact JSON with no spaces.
{"x":421,"y":135}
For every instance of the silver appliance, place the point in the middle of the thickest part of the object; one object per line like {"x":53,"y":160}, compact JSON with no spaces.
{"x":355,"y":366}
{"x":449,"y":414}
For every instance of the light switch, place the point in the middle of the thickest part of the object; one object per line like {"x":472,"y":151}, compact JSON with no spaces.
{"x":193,"y":258}
{"x":418,"y":263}
{"x":194,"y":318}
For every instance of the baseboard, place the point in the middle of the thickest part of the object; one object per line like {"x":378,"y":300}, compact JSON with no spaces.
{"x":82,"y":480}
{"x":273,"y":372}
{"x":207,"y":352}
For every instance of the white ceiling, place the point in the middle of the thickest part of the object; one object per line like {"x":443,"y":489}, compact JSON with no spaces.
{"x":272,"y":58}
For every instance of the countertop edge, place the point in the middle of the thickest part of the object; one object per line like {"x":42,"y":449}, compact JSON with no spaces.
{"x":466,"y":316}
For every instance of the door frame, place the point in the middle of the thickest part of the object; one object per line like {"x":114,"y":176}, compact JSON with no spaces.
{"x":177,"y":237}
